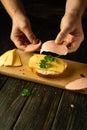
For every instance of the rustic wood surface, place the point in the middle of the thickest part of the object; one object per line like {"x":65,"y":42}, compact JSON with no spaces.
{"x":46,"y":108}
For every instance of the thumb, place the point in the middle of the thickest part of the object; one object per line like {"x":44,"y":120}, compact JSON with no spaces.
{"x":61,"y":36}
{"x":30,"y":35}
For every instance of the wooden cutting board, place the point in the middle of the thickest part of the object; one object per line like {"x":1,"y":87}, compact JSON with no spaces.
{"x":73,"y":71}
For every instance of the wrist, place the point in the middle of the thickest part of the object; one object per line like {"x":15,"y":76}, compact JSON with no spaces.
{"x":73,"y":14}
{"x":71,"y":19}
{"x":18,"y":14}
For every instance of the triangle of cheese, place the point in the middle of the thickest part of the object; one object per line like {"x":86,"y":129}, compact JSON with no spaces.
{"x":17,"y":60}
{"x":10,"y":58}
{"x":3,"y":57}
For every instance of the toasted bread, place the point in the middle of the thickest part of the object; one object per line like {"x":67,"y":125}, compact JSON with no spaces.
{"x":53,"y":70}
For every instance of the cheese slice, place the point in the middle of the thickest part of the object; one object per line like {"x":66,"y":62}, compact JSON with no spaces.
{"x":3,"y":57}
{"x":17,"y":60}
{"x":10,"y":58}
{"x":57,"y":66}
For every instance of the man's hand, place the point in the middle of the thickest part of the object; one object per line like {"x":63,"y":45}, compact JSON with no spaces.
{"x":71,"y":33}
{"x":22,"y":34}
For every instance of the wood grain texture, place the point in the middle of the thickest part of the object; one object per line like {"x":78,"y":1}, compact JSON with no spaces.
{"x":68,"y":117}
{"x":39,"y":111}
{"x":3,"y":79}
{"x":73,"y":71}
{"x":11,"y":103}
{"x":19,"y":113}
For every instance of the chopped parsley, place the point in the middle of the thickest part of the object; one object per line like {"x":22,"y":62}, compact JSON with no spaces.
{"x":25,"y":92}
{"x":45,"y":63}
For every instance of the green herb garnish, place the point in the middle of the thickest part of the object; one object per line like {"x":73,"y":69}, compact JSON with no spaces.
{"x":50,"y":58}
{"x":25,"y":92}
{"x":45,"y":63}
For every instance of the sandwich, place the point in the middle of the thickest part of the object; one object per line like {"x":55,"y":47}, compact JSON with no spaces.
{"x":46,"y":65}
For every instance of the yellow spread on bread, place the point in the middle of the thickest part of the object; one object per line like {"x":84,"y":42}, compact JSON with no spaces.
{"x":57,"y":66}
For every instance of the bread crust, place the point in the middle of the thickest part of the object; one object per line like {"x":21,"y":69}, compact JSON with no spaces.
{"x":45,"y":75}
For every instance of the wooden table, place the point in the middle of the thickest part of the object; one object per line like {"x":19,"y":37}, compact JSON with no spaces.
{"x":46,"y":108}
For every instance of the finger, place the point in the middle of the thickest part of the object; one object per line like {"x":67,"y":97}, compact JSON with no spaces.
{"x":18,"y":41}
{"x":68,"y":40}
{"x":20,"y":45}
{"x":73,"y":46}
{"x":61,"y":36}
{"x":30,"y":36}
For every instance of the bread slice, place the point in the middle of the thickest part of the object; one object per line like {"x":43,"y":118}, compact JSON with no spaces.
{"x":54,"y":69}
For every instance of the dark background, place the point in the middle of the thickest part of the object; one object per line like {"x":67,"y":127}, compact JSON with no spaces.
{"x":45,"y":17}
